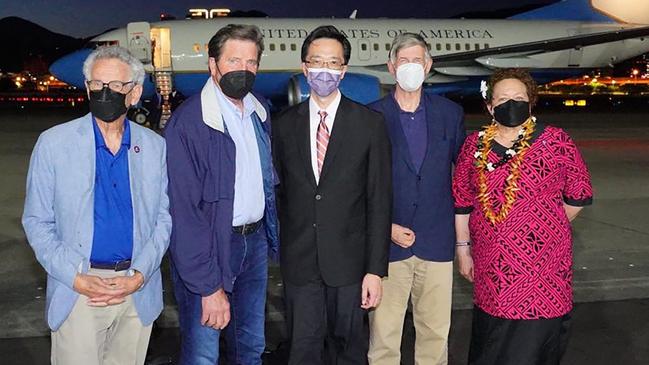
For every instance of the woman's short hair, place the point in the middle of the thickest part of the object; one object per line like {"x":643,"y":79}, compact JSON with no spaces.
{"x":519,"y":74}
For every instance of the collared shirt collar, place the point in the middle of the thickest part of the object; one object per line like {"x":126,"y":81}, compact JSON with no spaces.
{"x":211,"y":110}
{"x":226,"y":103}
{"x":99,"y":138}
{"x":331,"y":109}
{"x":420,"y":107}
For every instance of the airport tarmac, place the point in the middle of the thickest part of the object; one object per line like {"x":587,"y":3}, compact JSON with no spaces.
{"x":611,"y":245}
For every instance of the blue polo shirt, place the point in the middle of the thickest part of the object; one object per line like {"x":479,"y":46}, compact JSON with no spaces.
{"x":416,"y":132}
{"x":113,"y":217}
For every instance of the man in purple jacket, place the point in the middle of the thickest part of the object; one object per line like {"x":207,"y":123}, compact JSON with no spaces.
{"x":221,"y":191}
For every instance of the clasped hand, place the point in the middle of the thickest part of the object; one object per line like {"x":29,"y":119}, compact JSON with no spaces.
{"x":102,"y":292}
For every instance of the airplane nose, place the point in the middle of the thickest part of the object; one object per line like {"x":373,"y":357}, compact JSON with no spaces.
{"x":69,"y":68}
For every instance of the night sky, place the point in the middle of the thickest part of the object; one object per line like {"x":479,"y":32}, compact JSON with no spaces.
{"x":83,"y":18}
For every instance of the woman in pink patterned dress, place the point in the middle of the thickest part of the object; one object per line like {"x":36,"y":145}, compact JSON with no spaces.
{"x":517,"y":186}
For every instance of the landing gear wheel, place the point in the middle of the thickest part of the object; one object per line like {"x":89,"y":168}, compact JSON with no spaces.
{"x":139,"y":115}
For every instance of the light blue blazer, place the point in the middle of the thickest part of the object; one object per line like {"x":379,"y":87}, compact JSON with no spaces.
{"x":59,"y":212}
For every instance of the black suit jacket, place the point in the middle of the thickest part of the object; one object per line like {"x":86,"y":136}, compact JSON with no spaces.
{"x":339,"y":229}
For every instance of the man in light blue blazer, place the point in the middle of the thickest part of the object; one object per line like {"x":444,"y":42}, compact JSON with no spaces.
{"x":96,"y":215}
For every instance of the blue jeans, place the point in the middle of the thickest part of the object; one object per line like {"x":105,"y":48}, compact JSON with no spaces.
{"x":244,"y":336}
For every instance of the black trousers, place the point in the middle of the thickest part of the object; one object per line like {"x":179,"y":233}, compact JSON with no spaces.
{"x":498,"y":341}
{"x":326,"y":325}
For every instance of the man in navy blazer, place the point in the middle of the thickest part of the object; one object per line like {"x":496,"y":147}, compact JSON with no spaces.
{"x":426,"y":132}
{"x":97,"y":216}
{"x":221,"y":189}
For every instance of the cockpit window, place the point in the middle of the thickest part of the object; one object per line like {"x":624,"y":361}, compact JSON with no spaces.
{"x":95,"y":44}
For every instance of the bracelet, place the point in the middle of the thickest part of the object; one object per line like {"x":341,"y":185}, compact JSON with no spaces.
{"x":463,"y":243}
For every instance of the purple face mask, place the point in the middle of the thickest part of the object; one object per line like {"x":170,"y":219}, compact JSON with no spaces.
{"x":323,"y":81}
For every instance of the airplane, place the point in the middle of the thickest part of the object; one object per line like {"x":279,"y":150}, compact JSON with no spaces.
{"x":557,"y":41}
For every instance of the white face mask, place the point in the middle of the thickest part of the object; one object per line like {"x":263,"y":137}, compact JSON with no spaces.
{"x":410,"y":76}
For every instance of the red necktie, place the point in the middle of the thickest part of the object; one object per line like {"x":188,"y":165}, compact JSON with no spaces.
{"x":322,"y":140}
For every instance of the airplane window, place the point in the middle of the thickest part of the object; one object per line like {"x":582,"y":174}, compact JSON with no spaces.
{"x":477,"y":46}
{"x":458,"y":46}
{"x":197,"y":47}
{"x":467,"y":47}
{"x":438,"y":47}
{"x":486,"y":45}
{"x":376,"y":46}
{"x":364,"y":47}
{"x":282,"y":47}
{"x":293,"y":47}
{"x":101,"y":44}
{"x":448,"y":46}
{"x":387,"y":46}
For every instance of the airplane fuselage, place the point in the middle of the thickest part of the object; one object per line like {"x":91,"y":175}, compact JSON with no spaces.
{"x":179,"y":47}
{"x":371,"y":39}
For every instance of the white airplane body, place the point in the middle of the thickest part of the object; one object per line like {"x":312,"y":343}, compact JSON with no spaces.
{"x":190,"y":38}
{"x":464,"y":51}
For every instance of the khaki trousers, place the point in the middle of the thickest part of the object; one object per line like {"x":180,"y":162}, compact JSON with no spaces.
{"x":429,"y":285}
{"x":112,"y":335}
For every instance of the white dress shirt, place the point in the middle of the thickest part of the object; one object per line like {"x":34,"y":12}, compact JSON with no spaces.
{"x":314,"y":121}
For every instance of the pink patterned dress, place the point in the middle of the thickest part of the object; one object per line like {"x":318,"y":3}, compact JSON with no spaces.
{"x":523,"y":266}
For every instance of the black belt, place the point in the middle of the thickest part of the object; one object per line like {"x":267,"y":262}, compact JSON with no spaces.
{"x":247,"y":228}
{"x":115,"y":266}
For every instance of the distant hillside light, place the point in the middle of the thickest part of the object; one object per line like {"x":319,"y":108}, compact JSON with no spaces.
{"x":165,"y":16}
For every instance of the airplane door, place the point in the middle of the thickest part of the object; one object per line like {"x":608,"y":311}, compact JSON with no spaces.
{"x":161,"y":48}
{"x":575,"y":54}
{"x":364,"y":49}
{"x":138,"y":40}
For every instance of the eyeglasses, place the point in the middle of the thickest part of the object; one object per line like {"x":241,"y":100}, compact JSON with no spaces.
{"x":333,"y":64}
{"x":115,"y":85}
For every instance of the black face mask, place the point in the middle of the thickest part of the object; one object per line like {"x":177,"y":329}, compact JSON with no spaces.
{"x":236,"y":84}
{"x":512,"y":113}
{"x":107,"y":105}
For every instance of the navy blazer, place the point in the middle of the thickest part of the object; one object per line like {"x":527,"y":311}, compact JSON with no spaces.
{"x":423,"y":200}
{"x":201,"y":163}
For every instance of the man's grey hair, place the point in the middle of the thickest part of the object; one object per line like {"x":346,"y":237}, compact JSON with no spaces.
{"x":118,"y":53}
{"x":405,"y":40}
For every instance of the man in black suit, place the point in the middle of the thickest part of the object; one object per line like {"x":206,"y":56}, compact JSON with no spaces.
{"x":333,"y":159}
